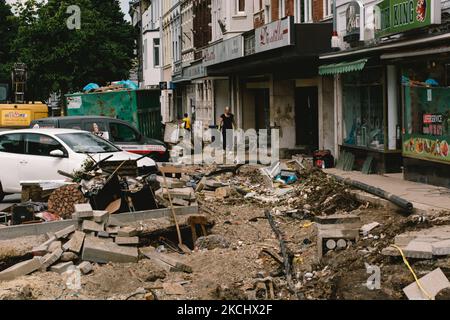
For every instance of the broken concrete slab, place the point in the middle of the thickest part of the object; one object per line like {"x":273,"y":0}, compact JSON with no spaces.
{"x":103,"y":251}
{"x":441,"y":248}
{"x":101,"y":216}
{"x":50,"y":259}
{"x":92,"y":226}
{"x":432,"y":283}
{"x":127,"y":232}
{"x":391,"y":251}
{"x":172,"y":183}
{"x":366,"y":229}
{"x":20,"y":231}
{"x":21,"y":269}
{"x":60,"y":268}
{"x":83,"y":211}
{"x":75,"y":243}
{"x":42,"y":249}
{"x":55,"y":245}
{"x":85,"y":267}
{"x":419,"y":250}
{"x":103,"y":234}
{"x":65,"y":232}
{"x":112,"y":230}
{"x":127,"y":241}
{"x":181,"y":193}
{"x":180,"y":202}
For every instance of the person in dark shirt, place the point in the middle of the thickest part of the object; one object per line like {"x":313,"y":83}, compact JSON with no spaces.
{"x":227,"y":122}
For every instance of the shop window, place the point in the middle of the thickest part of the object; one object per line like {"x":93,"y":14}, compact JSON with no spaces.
{"x":363,"y":109}
{"x":426,"y":122}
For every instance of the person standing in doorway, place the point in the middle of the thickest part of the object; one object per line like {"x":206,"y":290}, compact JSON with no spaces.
{"x":227,"y":122}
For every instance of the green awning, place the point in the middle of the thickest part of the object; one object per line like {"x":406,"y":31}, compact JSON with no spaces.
{"x":343,"y":67}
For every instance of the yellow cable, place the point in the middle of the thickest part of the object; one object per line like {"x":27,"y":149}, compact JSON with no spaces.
{"x":419,"y":284}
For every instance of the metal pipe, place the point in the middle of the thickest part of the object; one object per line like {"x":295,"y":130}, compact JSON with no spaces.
{"x":400,"y":202}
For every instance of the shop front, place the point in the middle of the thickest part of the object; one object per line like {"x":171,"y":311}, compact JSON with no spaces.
{"x":274,"y":84}
{"x":369,"y":117}
{"x":426,"y":121}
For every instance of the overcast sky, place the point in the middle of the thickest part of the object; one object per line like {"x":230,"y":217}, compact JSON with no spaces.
{"x":124,"y":4}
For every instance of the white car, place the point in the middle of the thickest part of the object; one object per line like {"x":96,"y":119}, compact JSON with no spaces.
{"x":38,"y":154}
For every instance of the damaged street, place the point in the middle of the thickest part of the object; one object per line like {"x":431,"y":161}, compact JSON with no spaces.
{"x":236,"y":236}
{"x":218,"y":158}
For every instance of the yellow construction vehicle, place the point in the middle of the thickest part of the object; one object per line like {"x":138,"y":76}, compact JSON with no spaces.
{"x":19,"y":113}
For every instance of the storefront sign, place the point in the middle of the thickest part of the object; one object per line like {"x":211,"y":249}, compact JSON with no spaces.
{"x":274,"y":35}
{"x":194,"y":72}
{"x":15,"y":118}
{"x":223,"y":51}
{"x":396,"y":16}
{"x":354,"y":17}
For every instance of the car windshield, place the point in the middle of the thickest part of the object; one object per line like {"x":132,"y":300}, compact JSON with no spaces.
{"x":84,"y":142}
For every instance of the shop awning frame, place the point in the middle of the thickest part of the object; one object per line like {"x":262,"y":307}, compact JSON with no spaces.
{"x":342,"y":67}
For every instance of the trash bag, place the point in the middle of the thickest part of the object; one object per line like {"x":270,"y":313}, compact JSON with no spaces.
{"x":128,"y":84}
{"x":91,"y":86}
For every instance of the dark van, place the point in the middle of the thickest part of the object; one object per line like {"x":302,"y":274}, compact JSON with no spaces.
{"x":119,"y":132}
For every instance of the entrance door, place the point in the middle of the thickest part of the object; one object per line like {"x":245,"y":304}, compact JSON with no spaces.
{"x":307,"y":117}
{"x":262,"y":109}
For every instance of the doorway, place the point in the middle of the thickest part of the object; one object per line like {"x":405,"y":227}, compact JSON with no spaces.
{"x":262,"y":109}
{"x":307,"y":117}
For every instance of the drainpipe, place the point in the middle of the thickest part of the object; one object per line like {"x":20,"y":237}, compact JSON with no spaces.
{"x":335,"y":37}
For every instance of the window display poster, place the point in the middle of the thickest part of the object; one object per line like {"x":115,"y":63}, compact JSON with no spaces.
{"x":426,"y":147}
{"x":427,"y":124}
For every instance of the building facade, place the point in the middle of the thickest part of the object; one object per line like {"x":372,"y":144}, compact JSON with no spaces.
{"x":386,"y":86}
{"x":255,"y":56}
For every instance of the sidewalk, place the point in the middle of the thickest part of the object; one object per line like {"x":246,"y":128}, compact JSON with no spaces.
{"x":426,"y":198}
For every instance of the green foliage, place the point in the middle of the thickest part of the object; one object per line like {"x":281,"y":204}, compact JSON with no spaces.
{"x":60,"y":59}
{"x":8,"y":31}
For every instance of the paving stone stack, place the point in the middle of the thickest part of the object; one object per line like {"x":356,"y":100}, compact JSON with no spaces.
{"x":96,"y":239}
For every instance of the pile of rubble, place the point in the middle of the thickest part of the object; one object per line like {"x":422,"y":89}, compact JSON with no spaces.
{"x":96,"y":237}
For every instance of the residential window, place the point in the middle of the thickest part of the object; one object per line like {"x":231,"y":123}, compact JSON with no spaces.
{"x":327,"y":8}
{"x":156,"y":54}
{"x":240,"y":6}
{"x":282,"y":8}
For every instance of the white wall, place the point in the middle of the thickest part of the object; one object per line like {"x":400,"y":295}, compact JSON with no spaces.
{"x":150,"y":28}
{"x":236,"y":23}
